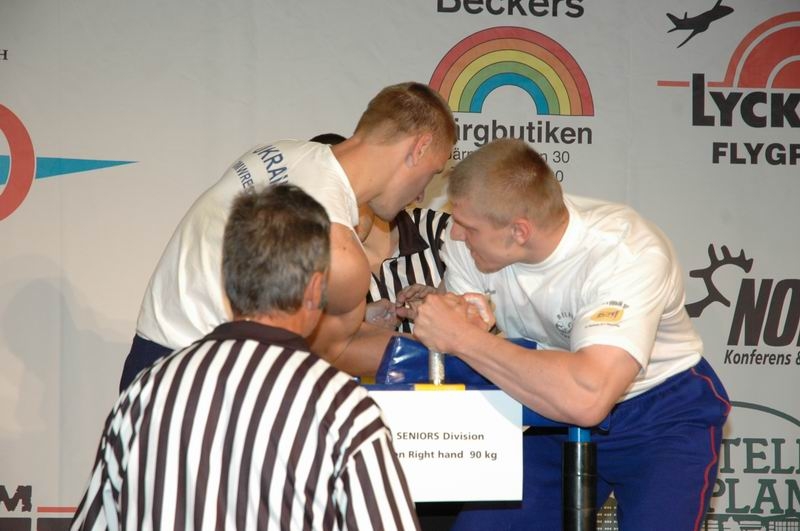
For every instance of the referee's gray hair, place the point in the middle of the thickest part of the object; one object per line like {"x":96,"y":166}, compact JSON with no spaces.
{"x":274,"y":241}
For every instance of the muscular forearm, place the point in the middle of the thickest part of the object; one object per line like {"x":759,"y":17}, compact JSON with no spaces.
{"x":574,"y":387}
{"x":544,"y":380}
{"x":354,"y":347}
{"x":362,"y":355}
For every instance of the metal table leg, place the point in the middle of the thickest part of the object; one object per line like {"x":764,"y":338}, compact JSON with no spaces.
{"x":579,"y":470}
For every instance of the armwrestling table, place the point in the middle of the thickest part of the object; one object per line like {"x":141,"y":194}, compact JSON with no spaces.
{"x":405,"y":366}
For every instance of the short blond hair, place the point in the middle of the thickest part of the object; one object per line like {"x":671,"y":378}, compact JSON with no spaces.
{"x":408,"y":109}
{"x":506,"y":179}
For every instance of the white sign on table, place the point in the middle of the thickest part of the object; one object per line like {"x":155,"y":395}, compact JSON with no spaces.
{"x":456,"y":445}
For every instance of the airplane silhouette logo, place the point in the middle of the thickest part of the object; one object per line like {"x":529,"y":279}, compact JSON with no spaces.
{"x":699,"y":23}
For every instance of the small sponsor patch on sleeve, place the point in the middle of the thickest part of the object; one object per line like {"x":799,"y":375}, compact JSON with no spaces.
{"x":608,"y":315}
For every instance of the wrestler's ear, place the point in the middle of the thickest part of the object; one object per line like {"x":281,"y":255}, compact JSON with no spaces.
{"x":521,"y":230}
{"x":421,"y":144}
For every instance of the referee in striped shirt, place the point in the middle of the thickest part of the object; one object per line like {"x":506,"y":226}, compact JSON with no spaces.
{"x":414,"y":239}
{"x":245,"y":429}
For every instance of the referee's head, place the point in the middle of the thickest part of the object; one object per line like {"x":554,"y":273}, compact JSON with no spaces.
{"x":276,"y":253}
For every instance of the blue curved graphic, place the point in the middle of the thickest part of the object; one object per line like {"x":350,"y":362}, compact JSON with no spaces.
{"x":516,"y":80}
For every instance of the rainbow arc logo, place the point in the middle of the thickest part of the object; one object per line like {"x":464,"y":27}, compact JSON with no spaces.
{"x":513,"y":56}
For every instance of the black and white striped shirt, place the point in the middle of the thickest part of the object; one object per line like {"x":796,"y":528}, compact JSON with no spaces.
{"x":417,"y":260}
{"x":245,"y":430}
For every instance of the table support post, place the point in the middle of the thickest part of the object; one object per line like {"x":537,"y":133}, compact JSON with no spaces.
{"x":579,"y":469}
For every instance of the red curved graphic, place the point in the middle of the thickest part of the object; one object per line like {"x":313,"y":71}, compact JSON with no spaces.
{"x":762,"y":54}
{"x":22,"y":165}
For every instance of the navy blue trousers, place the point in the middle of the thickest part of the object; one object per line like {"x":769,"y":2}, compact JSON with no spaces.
{"x":659,"y":457}
{"x":143,"y":354}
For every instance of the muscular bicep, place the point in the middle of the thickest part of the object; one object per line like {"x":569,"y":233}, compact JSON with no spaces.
{"x":626,"y":306}
{"x":348,"y":281}
{"x":602,"y":374}
{"x":334,"y":332}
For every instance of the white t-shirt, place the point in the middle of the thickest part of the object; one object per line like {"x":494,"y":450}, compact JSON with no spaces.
{"x":614,"y":280}
{"x":185,"y":297}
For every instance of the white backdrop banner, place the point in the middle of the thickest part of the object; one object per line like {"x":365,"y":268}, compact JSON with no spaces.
{"x":115,"y":116}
